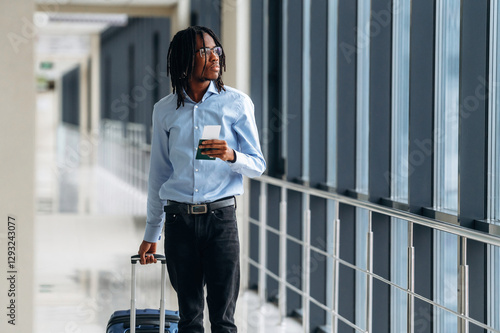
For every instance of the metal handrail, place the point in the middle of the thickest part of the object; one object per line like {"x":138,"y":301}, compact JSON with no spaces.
{"x":398,"y":215}
{"x":392,"y":212}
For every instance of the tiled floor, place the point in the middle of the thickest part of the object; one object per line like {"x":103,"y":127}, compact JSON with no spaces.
{"x":84,"y":238}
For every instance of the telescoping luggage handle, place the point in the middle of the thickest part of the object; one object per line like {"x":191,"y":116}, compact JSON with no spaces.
{"x":134,"y":259}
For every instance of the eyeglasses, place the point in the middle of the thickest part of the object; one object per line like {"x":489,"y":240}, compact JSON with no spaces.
{"x":206,"y":51}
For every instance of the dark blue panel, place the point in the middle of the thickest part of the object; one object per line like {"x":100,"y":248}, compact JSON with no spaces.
{"x":253,"y":281}
{"x":256,"y":61}
{"x":380,"y":99}
{"x":273,"y":244}
{"x":318,"y":261}
{"x":473,"y":138}
{"x":420,"y":149}
{"x":318,"y":107}
{"x":273,"y":220}
{"x":254,"y":231}
{"x":208,"y":14}
{"x":133,"y":66}
{"x":347,"y":253}
{"x":273,"y":133}
{"x":346,"y":116}
{"x":294,"y":250}
{"x":71,"y":97}
{"x":294,"y":91}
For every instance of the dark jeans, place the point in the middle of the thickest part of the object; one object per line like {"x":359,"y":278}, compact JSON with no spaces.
{"x":204,"y":249}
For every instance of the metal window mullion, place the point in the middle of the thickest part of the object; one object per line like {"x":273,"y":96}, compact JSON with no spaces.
{"x":283,"y":254}
{"x":369,"y":278}
{"x":332,"y":93}
{"x":306,"y":86}
{"x":284,"y":81}
{"x":306,"y":264}
{"x":493,"y":109}
{"x":437,"y":103}
{"x":263,"y":242}
{"x":463,"y":308}
{"x":265,"y":82}
{"x":335,"y":274}
{"x":493,"y":206}
{"x":410,"y":317}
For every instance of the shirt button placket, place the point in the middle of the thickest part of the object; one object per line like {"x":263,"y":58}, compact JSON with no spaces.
{"x":196,"y":140}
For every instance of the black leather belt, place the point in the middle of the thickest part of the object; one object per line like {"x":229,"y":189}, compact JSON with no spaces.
{"x":174,"y":207}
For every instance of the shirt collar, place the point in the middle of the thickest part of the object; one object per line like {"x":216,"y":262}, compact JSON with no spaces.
{"x":212,"y":89}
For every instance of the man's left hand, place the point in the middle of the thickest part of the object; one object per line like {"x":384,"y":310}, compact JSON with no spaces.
{"x":220,"y":149}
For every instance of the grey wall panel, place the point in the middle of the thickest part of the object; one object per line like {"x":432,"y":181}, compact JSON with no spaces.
{"x":347,"y":275}
{"x":346,"y":117}
{"x":318,"y":110}
{"x":208,"y":13}
{"x":420,"y":157}
{"x":380,"y":152}
{"x":275,"y":166}
{"x":380,"y":99}
{"x":294,"y":91}
{"x":273,"y":220}
{"x":254,"y":210}
{"x":346,"y":152}
{"x":256,"y":61}
{"x":473,"y":138}
{"x":133,"y":70}
{"x":71,"y":97}
{"x":294,"y":251}
{"x":381,"y":227}
{"x":318,"y":261}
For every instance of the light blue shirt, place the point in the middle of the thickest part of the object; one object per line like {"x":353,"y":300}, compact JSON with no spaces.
{"x":174,"y":172}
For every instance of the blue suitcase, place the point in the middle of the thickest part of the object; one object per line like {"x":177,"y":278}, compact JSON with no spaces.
{"x":145,"y":320}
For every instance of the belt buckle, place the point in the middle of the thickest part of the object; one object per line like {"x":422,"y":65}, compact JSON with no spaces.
{"x":198,"y":209}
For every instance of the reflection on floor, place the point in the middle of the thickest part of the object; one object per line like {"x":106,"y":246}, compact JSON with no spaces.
{"x":87,"y":226}
{"x":83,"y":275}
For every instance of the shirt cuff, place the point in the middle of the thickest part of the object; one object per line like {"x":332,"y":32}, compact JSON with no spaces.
{"x":238,"y":163}
{"x":152,"y":233}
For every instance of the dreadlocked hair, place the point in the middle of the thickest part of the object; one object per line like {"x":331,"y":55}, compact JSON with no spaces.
{"x":180,"y":59}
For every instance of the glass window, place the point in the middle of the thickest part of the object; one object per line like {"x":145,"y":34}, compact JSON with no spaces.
{"x":362,"y":146}
{"x":362,"y":95}
{"x":493,"y":205}
{"x":399,"y":157}
{"x":331,"y":172}
{"x":332,"y":93}
{"x":306,"y":86}
{"x":446,"y":111}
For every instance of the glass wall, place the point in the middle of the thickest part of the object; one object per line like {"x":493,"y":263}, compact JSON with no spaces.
{"x":446,"y":157}
{"x":494,"y":164}
{"x":362,"y":153}
{"x":399,"y":157}
{"x":331,"y":57}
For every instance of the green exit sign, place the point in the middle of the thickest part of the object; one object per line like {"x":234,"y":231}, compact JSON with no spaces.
{"x":46,"y":65}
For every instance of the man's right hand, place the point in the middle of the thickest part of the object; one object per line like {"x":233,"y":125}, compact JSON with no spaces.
{"x":145,"y":249}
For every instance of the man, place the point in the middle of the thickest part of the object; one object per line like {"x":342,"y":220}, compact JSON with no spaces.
{"x":195,"y":197}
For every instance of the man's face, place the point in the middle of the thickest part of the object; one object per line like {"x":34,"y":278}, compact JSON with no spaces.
{"x":210,"y":61}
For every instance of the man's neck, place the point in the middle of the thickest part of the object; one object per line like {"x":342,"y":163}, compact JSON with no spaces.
{"x":196,"y":90}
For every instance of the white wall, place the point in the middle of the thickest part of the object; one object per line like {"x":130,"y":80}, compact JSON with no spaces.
{"x":236,"y":41}
{"x":17,"y":121}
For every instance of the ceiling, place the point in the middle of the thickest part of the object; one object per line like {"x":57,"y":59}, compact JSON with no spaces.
{"x":108,"y":2}
{"x":64,"y":27}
